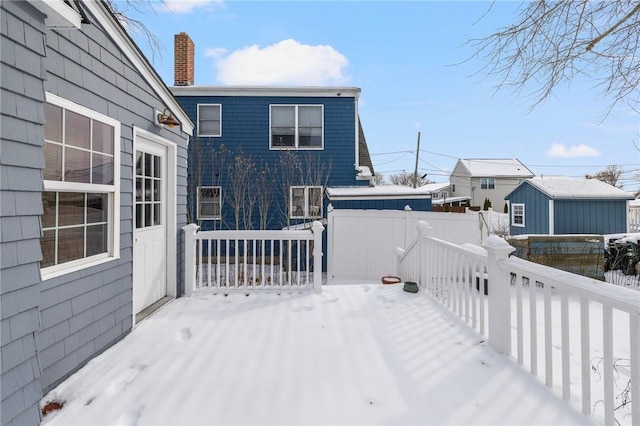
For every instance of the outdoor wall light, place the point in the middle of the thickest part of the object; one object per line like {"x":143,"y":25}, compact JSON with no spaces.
{"x":167,"y":118}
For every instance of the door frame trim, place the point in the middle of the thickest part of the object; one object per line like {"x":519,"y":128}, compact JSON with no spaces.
{"x":171,"y":212}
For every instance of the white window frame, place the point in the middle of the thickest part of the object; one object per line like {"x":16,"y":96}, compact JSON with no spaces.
{"x":113,"y":192}
{"x":487,"y":183}
{"x":296,"y":137}
{"x":210,"y":135}
{"x":514,"y":208}
{"x":203,"y":217}
{"x":306,"y":214}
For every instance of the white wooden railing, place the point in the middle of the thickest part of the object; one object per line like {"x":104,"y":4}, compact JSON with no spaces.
{"x":578,"y":335}
{"x":253,"y":261}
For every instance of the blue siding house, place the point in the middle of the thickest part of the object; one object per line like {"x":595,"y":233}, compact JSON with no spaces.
{"x":561,"y":205}
{"x":89,"y":177}
{"x":262,"y":157}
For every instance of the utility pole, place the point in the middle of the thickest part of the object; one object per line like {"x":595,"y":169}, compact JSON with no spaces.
{"x":415,"y":170}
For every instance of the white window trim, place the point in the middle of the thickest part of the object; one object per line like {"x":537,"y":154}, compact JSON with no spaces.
{"x":513,"y":215}
{"x":306,"y":202}
{"x":198,"y":203}
{"x":296,"y":147}
{"x":113,"y":191}
{"x":487,"y":179}
{"x":209,"y":135}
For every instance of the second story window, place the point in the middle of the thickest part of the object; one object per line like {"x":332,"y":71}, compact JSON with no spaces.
{"x":487,"y":183}
{"x":296,"y":127}
{"x":210,"y":120}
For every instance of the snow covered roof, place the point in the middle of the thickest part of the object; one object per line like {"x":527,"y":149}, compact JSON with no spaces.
{"x":363,"y":173}
{"x":386,"y":191}
{"x":566,"y":187}
{"x":436,"y":186}
{"x":449,"y":200}
{"x":496,"y":167}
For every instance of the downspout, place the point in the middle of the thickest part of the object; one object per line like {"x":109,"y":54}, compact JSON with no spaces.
{"x":357,"y":130}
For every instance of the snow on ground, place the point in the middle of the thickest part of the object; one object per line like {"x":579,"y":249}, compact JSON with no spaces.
{"x":354,"y":354}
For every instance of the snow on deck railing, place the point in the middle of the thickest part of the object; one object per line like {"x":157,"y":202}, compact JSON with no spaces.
{"x":253,"y":261}
{"x":581,"y":336}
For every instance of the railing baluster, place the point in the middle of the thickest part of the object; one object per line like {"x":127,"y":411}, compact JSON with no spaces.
{"x":607,"y":352}
{"x":548,"y":336}
{"x":199,"y":254}
{"x":227,"y":276}
{"x":298,"y":262}
{"x":218,"y":262}
{"x":564,"y":333}
{"x":533,"y":325}
{"x":519,"y":320}
{"x":281,"y":264}
{"x":585,"y":355}
{"x":209,"y":243}
{"x":634,"y":326}
{"x":254,"y":278}
{"x":477,"y":266}
{"x":245,"y":272}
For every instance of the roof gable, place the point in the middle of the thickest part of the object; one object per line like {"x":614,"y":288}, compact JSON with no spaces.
{"x":110,"y":23}
{"x":495,"y":167}
{"x":569,"y":188}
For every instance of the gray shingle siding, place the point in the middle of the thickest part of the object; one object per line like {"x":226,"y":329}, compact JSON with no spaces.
{"x":52,"y":328}
{"x":21,"y":161}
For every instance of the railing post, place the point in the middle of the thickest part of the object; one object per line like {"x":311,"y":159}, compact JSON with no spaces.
{"x":190,"y":231}
{"x":317,"y":230}
{"x":423,"y":256}
{"x":399,"y":253}
{"x":499,"y":282}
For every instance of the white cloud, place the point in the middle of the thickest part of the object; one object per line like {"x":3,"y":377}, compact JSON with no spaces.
{"x":215,"y":52}
{"x":287,"y":62}
{"x":188,"y":6}
{"x":575,"y":151}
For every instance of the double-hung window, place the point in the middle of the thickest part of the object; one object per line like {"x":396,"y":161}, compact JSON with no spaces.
{"x":517,"y":214}
{"x":80,"y":219}
{"x":487,"y":183}
{"x":296,"y":127}
{"x":210,"y":120}
{"x":209,"y":202}
{"x":306,"y":202}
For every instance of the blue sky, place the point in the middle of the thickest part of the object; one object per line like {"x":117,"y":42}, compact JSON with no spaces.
{"x":417,"y":73}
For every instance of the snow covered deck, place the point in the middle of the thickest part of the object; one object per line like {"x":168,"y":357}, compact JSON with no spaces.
{"x":354,"y":354}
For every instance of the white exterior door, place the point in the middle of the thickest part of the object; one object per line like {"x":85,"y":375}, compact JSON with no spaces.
{"x":150,"y":221}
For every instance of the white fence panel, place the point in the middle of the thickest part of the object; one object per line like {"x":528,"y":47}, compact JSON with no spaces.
{"x":361,"y":244}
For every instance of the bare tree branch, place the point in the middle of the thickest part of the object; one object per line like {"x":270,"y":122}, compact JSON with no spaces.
{"x":551,"y":42}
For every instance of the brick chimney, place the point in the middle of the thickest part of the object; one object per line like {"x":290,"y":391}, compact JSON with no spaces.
{"x":183,"y":49}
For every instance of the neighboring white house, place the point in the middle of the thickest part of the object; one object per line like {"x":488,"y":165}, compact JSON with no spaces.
{"x":492,"y":178}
